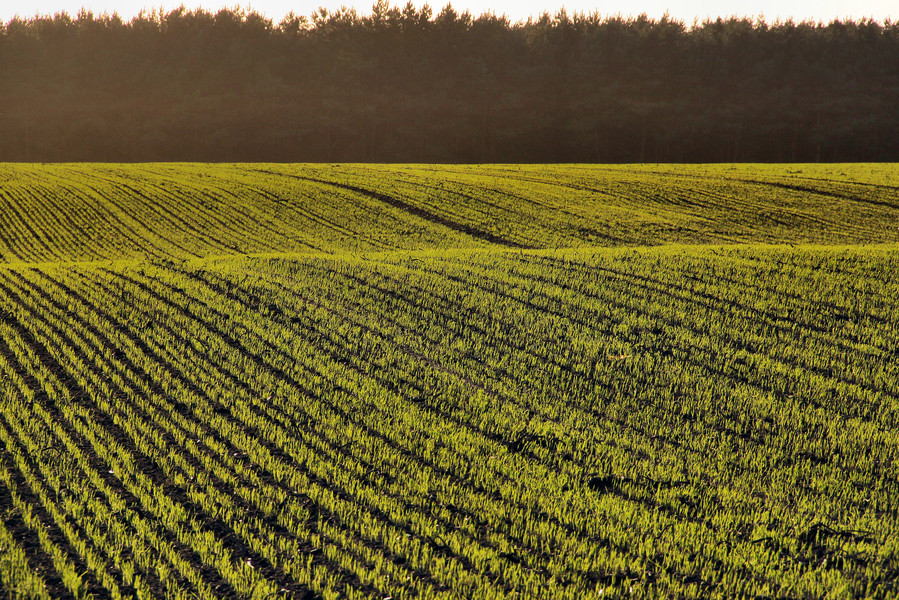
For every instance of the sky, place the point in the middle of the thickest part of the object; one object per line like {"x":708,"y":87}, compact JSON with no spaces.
{"x":683,"y":10}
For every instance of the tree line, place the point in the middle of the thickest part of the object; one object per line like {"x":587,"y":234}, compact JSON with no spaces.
{"x":408,"y":84}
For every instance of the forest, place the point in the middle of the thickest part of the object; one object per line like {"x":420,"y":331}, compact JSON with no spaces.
{"x":411,"y":84}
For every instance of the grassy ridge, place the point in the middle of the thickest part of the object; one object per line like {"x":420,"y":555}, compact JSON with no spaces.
{"x":92,"y":212}
{"x":445,"y":412}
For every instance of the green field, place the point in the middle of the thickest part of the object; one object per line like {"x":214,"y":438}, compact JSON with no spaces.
{"x":370,"y":381}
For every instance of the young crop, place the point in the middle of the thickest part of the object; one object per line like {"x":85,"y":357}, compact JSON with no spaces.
{"x":495,"y":382}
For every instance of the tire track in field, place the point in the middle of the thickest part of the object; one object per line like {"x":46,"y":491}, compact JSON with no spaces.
{"x":576,"y":227}
{"x":850,"y":183}
{"x":414,"y":180}
{"x":819,"y":192}
{"x":800,"y":210}
{"x":305,"y":215}
{"x":413,"y":210}
{"x":747,"y":213}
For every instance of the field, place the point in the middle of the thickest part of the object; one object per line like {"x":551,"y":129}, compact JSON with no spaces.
{"x":407,"y":381}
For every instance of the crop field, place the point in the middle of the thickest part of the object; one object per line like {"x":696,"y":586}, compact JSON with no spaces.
{"x":409,"y":381}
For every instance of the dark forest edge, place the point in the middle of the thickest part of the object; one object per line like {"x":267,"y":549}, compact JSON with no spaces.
{"x":406,"y":84}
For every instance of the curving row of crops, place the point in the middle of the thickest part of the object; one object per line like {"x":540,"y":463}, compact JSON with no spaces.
{"x":397,"y":396}
{"x":559,"y":424}
{"x":76,"y":212}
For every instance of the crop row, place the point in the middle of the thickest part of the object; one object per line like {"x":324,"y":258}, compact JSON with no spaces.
{"x":85,"y":212}
{"x":552,"y":424}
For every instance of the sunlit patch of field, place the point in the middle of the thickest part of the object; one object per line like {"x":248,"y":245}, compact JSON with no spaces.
{"x":282,"y":381}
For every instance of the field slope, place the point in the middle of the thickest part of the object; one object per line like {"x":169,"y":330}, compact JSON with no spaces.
{"x":410,"y":381}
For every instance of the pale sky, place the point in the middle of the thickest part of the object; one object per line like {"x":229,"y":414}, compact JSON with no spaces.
{"x":684,"y":10}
